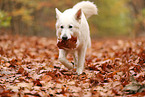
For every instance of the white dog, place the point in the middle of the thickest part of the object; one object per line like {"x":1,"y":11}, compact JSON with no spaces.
{"x":73,"y":22}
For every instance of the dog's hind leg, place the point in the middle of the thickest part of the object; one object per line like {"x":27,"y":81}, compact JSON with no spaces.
{"x":63,"y":60}
{"x":81,"y":60}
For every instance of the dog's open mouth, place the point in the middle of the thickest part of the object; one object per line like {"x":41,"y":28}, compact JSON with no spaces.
{"x":67,"y":44}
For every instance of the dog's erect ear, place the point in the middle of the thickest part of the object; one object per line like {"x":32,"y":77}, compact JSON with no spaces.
{"x":78,"y":14}
{"x":58,"y":13}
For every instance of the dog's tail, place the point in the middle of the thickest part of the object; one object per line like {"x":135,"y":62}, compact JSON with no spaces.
{"x":88,"y":8}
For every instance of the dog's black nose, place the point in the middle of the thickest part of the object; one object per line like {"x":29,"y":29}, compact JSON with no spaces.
{"x":64,"y":37}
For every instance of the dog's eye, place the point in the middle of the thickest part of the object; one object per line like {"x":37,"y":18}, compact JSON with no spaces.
{"x":61,"y":27}
{"x":70,"y":26}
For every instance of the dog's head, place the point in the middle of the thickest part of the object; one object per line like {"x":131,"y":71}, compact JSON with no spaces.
{"x":68,"y":23}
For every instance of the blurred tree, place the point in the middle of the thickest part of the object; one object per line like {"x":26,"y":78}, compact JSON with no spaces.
{"x":4,"y":19}
{"x":138,"y":16}
{"x":112,"y":19}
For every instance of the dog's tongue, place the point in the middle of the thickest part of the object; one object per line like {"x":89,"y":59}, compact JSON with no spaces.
{"x":67,"y":44}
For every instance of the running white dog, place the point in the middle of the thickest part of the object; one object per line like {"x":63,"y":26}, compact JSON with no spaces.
{"x":73,"y":22}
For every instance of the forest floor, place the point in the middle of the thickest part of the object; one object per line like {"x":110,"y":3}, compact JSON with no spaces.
{"x":29,"y":67}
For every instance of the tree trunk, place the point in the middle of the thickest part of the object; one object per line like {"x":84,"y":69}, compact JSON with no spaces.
{"x":137,"y":7}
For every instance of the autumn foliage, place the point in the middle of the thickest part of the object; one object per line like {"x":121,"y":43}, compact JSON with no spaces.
{"x":29,"y":67}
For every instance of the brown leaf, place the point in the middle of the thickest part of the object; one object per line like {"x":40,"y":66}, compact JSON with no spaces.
{"x":1,"y":51}
{"x":67,"y":44}
{"x":46,"y":78}
{"x":21,"y":70}
{"x":6,"y":93}
{"x":37,"y":82}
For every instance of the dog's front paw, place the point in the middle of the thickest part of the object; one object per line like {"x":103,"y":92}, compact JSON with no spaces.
{"x":79,"y":71}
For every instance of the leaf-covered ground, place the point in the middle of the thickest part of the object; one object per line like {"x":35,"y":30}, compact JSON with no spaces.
{"x":29,"y":67}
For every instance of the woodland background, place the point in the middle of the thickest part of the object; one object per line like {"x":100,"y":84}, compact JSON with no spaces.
{"x":37,"y":17}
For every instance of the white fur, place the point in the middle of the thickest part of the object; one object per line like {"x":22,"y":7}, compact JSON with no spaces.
{"x":75,"y":17}
{"x":88,"y":8}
